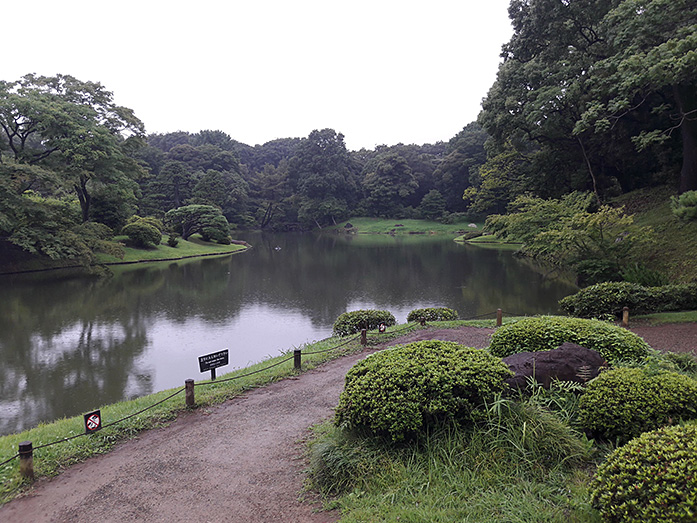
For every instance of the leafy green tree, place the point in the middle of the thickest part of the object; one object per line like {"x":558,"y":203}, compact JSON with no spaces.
{"x":206,"y":220}
{"x":324,"y":176}
{"x":465,"y":153}
{"x":432,"y":205}
{"x":72,"y":127}
{"x":270,"y":190}
{"x":224,"y":189}
{"x":650,"y":64}
{"x":570,"y":99}
{"x":573,"y":232}
{"x":388,"y":186}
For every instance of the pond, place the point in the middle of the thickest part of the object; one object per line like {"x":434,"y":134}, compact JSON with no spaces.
{"x":69,"y":345}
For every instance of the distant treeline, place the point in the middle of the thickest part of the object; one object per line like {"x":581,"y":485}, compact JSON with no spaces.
{"x":592,"y":95}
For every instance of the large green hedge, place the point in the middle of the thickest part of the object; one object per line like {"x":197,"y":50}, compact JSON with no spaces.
{"x":354,"y":321}
{"x":549,"y":332}
{"x":611,"y":297}
{"x":620,"y":404}
{"x":400,"y":391}
{"x":651,"y":479}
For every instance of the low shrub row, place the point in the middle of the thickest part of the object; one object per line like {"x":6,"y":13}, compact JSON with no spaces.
{"x":610,"y":298}
{"x":432,"y":314}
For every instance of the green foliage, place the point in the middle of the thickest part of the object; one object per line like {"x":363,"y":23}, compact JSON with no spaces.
{"x":549,"y":332}
{"x":652,"y":479}
{"x":684,"y":362}
{"x":432,"y":314}
{"x":147,"y":220}
{"x":611,"y":297}
{"x":622,"y":403}
{"x":401,"y":391}
{"x":519,"y":463}
{"x":684,"y":206}
{"x":173,"y":240}
{"x":354,"y":321}
{"x":142,"y":234}
{"x":203,"y":219}
{"x":432,"y":205}
{"x":641,"y":274}
{"x":529,"y":216}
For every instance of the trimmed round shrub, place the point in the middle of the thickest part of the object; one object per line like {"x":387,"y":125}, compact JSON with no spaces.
{"x":549,"y":332}
{"x":354,"y":321}
{"x":432,"y":314}
{"x":622,"y":403}
{"x":142,"y":234}
{"x":651,"y":479}
{"x":400,"y":391}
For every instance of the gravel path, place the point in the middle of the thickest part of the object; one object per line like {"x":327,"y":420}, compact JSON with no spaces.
{"x":241,"y":461}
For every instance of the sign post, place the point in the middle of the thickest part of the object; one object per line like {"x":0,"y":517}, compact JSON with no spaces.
{"x":93,"y":421}
{"x":210,"y":362}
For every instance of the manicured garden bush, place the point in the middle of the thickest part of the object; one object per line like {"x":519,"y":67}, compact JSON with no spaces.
{"x":549,"y":332}
{"x":400,"y":391}
{"x":611,"y":297}
{"x":651,"y":479}
{"x":620,"y":404}
{"x":351,"y":322}
{"x":142,"y":234}
{"x":432,"y":314}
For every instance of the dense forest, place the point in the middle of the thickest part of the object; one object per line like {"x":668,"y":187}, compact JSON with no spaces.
{"x":596,"y":96}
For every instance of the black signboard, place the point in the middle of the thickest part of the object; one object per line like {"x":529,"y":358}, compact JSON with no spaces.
{"x":212,"y":361}
{"x":93,"y":422}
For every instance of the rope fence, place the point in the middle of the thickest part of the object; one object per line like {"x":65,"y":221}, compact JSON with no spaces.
{"x":26,"y":448}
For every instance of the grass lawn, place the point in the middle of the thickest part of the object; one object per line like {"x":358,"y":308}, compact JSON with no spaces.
{"x":399,"y":226}
{"x":195,"y":246}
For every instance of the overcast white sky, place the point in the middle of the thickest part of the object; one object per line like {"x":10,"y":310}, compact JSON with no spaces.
{"x":378,"y":71}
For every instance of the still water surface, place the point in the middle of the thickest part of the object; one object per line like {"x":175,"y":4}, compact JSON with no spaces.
{"x":70,"y":345}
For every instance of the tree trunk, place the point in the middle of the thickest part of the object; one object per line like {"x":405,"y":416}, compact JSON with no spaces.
{"x":686,"y":98}
{"x":84,"y":197}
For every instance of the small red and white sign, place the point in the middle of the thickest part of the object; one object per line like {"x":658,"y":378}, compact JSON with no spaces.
{"x":93,"y":421}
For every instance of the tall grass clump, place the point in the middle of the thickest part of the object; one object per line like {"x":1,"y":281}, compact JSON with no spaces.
{"x":520,"y":462}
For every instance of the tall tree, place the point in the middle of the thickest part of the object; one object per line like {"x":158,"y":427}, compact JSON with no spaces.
{"x":650,"y":66}
{"x":388,"y":186}
{"x":73,"y":127}
{"x":324,"y":175}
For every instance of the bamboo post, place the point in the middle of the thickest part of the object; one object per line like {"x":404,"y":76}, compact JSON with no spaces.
{"x":26,"y":460}
{"x":625,"y":317}
{"x":189,"y":393}
{"x":364,"y":337}
{"x":499,"y":317}
{"x":297,"y":359}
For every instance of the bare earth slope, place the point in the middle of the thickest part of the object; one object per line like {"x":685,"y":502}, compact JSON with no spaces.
{"x":238,"y":462}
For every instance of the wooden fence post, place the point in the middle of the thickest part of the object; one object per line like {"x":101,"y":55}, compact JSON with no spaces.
{"x":625,"y":317}
{"x":189,"y":393}
{"x":297,"y":359}
{"x":499,"y":317}
{"x":26,"y":460}
{"x":364,"y":337}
